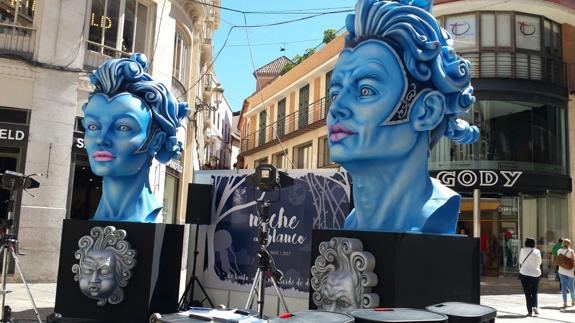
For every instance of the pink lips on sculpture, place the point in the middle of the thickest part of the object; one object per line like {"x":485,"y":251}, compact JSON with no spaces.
{"x":103,"y":155}
{"x":337,"y":132}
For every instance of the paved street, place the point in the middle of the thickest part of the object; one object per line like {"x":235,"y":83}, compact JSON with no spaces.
{"x":504,"y":294}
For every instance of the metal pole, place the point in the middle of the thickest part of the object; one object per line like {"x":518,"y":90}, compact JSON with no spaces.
{"x":476,"y":213}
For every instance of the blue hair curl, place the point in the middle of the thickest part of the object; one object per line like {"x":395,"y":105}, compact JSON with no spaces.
{"x":427,"y":54}
{"x":116,"y":76}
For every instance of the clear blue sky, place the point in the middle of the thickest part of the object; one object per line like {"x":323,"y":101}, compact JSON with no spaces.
{"x":234,"y":66}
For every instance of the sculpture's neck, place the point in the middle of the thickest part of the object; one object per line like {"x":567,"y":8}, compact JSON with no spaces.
{"x":127,"y":198}
{"x":389,"y":194}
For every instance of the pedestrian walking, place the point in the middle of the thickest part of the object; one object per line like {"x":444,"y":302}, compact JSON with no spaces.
{"x":529,"y":273}
{"x":554,"y":251}
{"x":566,"y":259}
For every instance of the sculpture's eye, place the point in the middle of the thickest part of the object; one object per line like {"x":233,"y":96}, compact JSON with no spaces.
{"x":92,"y":127}
{"x":327,"y":301}
{"x":343,"y":303}
{"x":333,"y":96}
{"x":88,"y":271}
{"x":366,"y":91}
{"x":124,"y":128}
{"x":105,"y":270}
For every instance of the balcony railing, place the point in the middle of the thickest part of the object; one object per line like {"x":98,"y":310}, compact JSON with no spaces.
{"x":299,"y":121}
{"x":17,"y":40}
{"x":517,"y":65}
{"x":96,"y":54}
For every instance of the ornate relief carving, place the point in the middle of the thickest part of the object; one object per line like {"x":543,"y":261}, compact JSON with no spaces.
{"x":342,"y":276}
{"x":105,"y":264}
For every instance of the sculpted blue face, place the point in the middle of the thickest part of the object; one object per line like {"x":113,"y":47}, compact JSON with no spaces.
{"x":115,"y":130}
{"x":366,"y":85}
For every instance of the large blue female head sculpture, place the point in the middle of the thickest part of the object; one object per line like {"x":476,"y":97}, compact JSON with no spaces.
{"x":397,"y":88}
{"x":129,"y":120}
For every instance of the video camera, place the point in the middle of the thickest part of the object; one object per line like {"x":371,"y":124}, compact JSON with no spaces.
{"x":17,"y":181}
{"x":267,"y":178}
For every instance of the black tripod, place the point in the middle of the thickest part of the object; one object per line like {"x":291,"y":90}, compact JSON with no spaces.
{"x":266,"y":265}
{"x":187,"y":299}
{"x":9,"y":247}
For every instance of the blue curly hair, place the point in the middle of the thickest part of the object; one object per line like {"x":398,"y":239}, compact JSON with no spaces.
{"x":116,"y":76}
{"x":427,"y":53}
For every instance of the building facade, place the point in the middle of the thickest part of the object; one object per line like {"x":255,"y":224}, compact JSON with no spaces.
{"x":47,"y":49}
{"x":216,"y":146}
{"x":523,"y":70}
{"x":284,"y":122}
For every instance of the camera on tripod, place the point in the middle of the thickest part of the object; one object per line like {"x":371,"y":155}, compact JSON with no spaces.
{"x":17,"y":181}
{"x":14,"y":182}
{"x":267,"y":178}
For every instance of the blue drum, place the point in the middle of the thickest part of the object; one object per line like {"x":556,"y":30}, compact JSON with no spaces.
{"x":403,"y":315}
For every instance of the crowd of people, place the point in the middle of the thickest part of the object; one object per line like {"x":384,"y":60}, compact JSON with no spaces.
{"x":530,"y":272}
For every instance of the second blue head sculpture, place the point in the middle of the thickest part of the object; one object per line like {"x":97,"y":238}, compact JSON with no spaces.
{"x":129,"y":120}
{"x":397,"y":88}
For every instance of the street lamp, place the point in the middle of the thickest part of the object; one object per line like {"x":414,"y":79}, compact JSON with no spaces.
{"x":219,"y":94}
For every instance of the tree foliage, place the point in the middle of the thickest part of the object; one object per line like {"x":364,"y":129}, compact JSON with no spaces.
{"x":329,"y":35}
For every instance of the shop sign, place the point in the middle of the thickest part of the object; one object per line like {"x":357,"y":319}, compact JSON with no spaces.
{"x":13,"y":135}
{"x":508,"y":210}
{"x":482,"y":178}
{"x":78,"y":143}
{"x":175,"y":165}
{"x":502,"y":181}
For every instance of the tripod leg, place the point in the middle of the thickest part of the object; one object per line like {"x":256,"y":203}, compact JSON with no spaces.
{"x":280,"y":296}
{"x":253,"y":290}
{"x":4,"y":252}
{"x":17,"y":263}
{"x":183,"y":304}
{"x":197,"y":280}
{"x":261,"y":296}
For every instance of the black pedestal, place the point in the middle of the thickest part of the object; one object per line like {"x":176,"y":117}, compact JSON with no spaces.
{"x":155,"y":280}
{"x":416,"y":270}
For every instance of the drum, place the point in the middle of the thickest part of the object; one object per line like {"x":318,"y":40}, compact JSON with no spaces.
{"x":404,"y":315}
{"x":465,"y":312}
{"x":315,"y":317}
{"x":204,"y":315}
{"x":182,"y":317}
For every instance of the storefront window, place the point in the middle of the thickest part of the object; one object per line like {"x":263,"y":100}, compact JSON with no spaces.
{"x":546,"y":219}
{"x":169,"y":211}
{"x":86,"y":189}
{"x":499,"y":236}
{"x":516,"y":135}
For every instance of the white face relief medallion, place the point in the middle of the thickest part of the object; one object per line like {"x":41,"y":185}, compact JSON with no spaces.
{"x":105,"y":261}
{"x":342,"y":276}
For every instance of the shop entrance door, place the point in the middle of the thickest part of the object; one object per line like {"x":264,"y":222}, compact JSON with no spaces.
{"x":499,"y":238}
{"x":8,"y":161}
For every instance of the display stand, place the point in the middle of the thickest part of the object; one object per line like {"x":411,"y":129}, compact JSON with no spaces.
{"x":416,"y":270}
{"x":153,"y":287}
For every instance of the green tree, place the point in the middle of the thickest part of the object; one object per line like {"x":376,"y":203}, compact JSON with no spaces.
{"x":329,"y":35}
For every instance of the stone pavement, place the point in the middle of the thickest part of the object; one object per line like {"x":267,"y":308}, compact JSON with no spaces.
{"x":504,"y":294}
